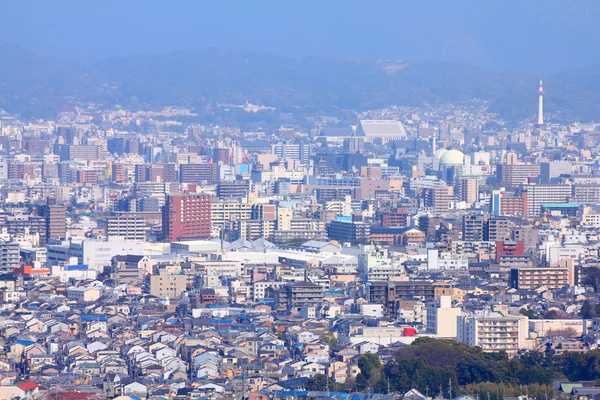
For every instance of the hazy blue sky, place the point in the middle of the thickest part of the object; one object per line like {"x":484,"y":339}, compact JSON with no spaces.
{"x":538,"y":36}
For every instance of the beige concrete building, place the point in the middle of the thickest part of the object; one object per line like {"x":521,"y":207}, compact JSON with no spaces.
{"x":531,"y":278}
{"x":284,"y":219}
{"x":468,"y":190}
{"x":223,"y":213}
{"x":494,"y":332}
{"x":442,"y":318}
{"x":167,"y":285}
{"x":84,"y":294}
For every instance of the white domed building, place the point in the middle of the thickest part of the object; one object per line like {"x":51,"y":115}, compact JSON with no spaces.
{"x":440,"y":152}
{"x":451,"y":165}
{"x":452,"y":157}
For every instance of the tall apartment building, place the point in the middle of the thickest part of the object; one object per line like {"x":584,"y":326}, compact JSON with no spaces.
{"x":56,"y":219}
{"x":497,"y":229}
{"x":238,"y":189}
{"x":15,"y":170}
{"x":195,"y":173}
{"x":155,"y":173}
{"x":531,"y":278}
{"x":586,"y":193}
{"x":66,"y":173}
{"x":254,"y":229}
{"x":87,"y":177}
{"x":263,"y":212}
{"x":539,"y":194}
{"x":494,"y":332}
{"x":473,"y":227}
{"x":221,"y":155}
{"x":20,"y":225}
{"x":301,"y":151}
{"x":10,"y":256}
{"x":82,"y":152}
{"x":186,"y":217}
{"x":390,"y":293}
{"x":398,"y":218}
{"x":468,"y":190}
{"x":505,"y":204}
{"x":224,"y":213}
{"x":515,"y":174}
{"x":438,"y":197}
{"x":127,"y":226}
{"x":353,"y":232}
{"x":293,"y":296}
{"x":119,"y":174}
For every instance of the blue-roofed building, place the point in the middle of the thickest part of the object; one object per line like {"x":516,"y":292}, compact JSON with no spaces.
{"x":562,"y":209}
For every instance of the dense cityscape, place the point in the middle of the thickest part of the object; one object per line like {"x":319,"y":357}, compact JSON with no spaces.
{"x":300,"y":200}
{"x":422,"y":252}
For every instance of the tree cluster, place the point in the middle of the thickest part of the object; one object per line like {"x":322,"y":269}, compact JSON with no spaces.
{"x":433,"y":366}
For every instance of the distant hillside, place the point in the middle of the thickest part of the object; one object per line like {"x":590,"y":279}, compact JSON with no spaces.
{"x":319,"y":83}
{"x":35,"y":85}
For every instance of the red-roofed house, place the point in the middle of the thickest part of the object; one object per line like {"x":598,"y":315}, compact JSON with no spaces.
{"x":30,"y":388}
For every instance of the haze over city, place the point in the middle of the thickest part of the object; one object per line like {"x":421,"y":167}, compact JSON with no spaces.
{"x":299,"y":200}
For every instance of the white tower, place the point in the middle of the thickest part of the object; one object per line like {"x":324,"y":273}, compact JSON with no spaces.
{"x":540,"y":93}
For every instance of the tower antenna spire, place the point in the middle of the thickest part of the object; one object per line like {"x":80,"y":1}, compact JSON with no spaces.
{"x":540,"y":92}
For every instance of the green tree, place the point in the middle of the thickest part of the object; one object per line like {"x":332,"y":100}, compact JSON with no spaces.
{"x":330,"y":339}
{"x":370,"y":371}
{"x":528,"y":312}
{"x":574,"y":366}
{"x":317,"y":383}
{"x":591,"y":277}
{"x":587,"y":310}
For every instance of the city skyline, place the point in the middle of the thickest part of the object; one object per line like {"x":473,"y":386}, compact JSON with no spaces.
{"x":263,"y":200}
